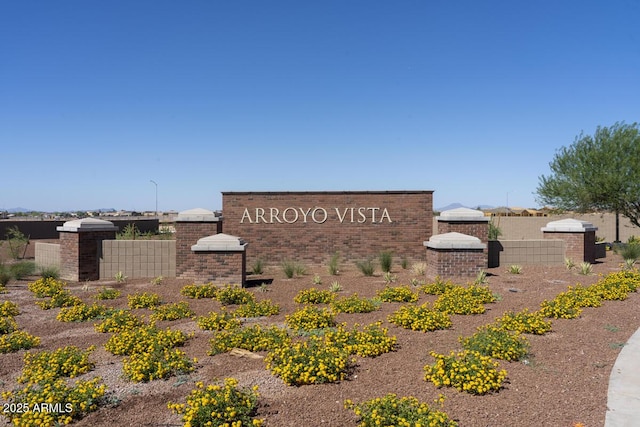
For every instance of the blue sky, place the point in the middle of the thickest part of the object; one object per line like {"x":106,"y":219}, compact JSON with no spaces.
{"x":469,"y":99}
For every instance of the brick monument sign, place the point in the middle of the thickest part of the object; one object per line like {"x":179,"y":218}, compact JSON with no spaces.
{"x":312,"y":225}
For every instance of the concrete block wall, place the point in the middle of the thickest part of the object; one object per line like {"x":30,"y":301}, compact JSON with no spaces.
{"x":47,"y":254}
{"x":540,"y":251}
{"x":138,"y":258}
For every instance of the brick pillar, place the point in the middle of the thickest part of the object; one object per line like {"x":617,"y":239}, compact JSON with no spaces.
{"x":80,"y":246}
{"x":192,"y":225}
{"x":579,"y":238}
{"x":465,"y":221}
{"x":455,"y":255}
{"x":219,"y":259}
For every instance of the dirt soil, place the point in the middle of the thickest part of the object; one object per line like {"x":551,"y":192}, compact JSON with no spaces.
{"x":563,"y":382}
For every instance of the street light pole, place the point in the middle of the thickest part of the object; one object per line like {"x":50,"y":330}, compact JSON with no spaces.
{"x":156,"y":184}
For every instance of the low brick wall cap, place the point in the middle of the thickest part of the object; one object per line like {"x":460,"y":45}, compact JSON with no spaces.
{"x":198,"y":215}
{"x":220,"y":243}
{"x":569,"y":225}
{"x":454,"y":240}
{"x":87,"y":224}
{"x":462,"y":214}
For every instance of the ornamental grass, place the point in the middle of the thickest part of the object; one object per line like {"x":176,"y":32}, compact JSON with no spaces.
{"x":467,"y":371}
{"x":420,"y":318}
{"x":219,"y":406}
{"x":391,"y":410}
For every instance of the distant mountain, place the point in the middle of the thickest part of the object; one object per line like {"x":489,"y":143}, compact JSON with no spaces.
{"x":460,"y":205}
{"x":18,"y":210}
{"x":24,"y":210}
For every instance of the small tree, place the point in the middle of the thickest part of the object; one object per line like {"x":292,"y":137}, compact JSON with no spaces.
{"x":599,"y":172}
{"x":17,"y":242}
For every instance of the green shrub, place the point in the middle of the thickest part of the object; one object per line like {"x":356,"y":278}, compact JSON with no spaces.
{"x":50,"y":272}
{"x":629,"y":251}
{"x":366,"y":267}
{"x":22,"y":269}
{"x":334,"y":264}
{"x":386,"y":260}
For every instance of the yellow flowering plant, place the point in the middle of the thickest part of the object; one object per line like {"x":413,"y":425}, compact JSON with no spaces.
{"x":467,"y":371}
{"x":397,"y":294}
{"x":370,"y":341}
{"x":118,"y":321}
{"x":525,"y":322}
{"x":46,"y":287}
{"x":217,"y":321}
{"x":207,"y":290}
{"x":355,"y":304}
{"x":82,"y":312}
{"x":420,"y":318}
{"x":496,"y":342}
{"x":7,"y":325}
{"x":234,"y":294}
{"x":9,"y":309}
{"x":144,"y":339}
{"x":144,"y":300}
{"x":391,"y":410}
{"x":175,"y":311}
{"x":225,"y":405}
{"x":59,"y":299}
{"x":314,"y":296}
{"x":17,"y":340}
{"x":69,"y":361}
{"x":257,"y":309}
{"x":309,"y":318}
{"x":253,"y":338}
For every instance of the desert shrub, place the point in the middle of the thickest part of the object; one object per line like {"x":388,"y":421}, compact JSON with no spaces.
{"x":50,"y":272}
{"x":232,"y":294}
{"x":514,"y":269}
{"x":335,"y":286}
{"x":207,"y":290}
{"x":524,"y":322}
{"x":420,"y":318}
{"x":586,"y":268}
{"x":69,"y":361}
{"x":355,"y":304}
{"x":253,"y":338}
{"x":157,"y":281}
{"x":7,"y":325}
{"x":461,"y":300}
{"x":143,"y":300}
{"x":17,"y":340}
{"x":370,"y":341}
{"x":144,"y":339}
{"x":175,"y":311}
{"x":309,"y":318}
{"x":438,"y":287}
{"x":219,"y":405}
{"x":156,"y":364}
{"x":118,"y":321}
{"x":9,"y":309}
{"x":59,"y":299}
{"x":317,"y":280}
{"x":397,"y":294}
{"x":107,"y":293}
{"x":390,"y":410}
{"x":22,"y":269}
{"x":81,"y":312}
{"x":120,"y":277}
{"x":314,"y":296}
{"x":79,"y":399}
{"x":218,"y":321}
{"x":308,"y":362}
{"x":629,"y":251}
{"x":46,"y":287}
{"x":16,"y":241}
{"x":496,"y":342}
{"x":5,"y":275}
{"x":366,"y":267}
{"x":467,"y":371}
{"x":386,"y":260}
{"x":257,"y":309}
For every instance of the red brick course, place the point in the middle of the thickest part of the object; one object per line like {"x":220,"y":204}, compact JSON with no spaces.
{"x":216,"y":267}
{"x":187,"y":234}
{"x":80,"y":254}
{"x":455,"y":263}
{"x":578,"y":246}
{"x":311,"y":226}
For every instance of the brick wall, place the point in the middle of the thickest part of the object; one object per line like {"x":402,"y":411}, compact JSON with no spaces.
{"x":578,"y":246}
{"x":455,"y":263}
{"x":80,"y":254}
{"x":187,"y":235}
{"x":217,"y":267}
{"x":311,"y":226}
{"x":479,"y":229}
